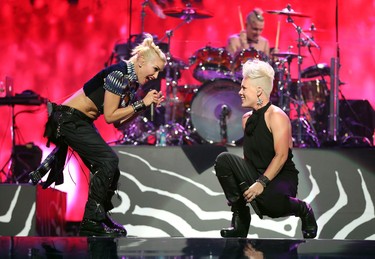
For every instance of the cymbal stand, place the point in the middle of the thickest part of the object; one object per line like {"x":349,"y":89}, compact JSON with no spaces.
{"x":143,"y":15}
{"x":171,"y":80}
{"x":10,"y":177}
{"x":300,"y":100}
{"x":283,"y":84}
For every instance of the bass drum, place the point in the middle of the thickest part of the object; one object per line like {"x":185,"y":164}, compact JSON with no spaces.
{"x":206,"y":108}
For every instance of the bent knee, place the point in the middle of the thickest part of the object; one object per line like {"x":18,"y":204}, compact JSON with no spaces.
{"x":221,"y":162}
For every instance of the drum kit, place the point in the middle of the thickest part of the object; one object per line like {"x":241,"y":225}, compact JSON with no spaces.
{"x":214,"y":112}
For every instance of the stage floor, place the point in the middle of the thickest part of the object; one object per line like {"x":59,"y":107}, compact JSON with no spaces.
{"x":134,"y":247}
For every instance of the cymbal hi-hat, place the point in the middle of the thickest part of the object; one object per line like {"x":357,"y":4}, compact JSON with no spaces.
{"x":286,"y":54}
{"x":312,"y":29}
{"x":187,"y":13}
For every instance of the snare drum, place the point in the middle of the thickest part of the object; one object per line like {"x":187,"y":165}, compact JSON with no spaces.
{"x":211,"y":63}
{"x":244,"y":55}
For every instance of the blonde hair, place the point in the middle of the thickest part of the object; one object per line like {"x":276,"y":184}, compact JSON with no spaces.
{"x":148,"y":49}
{"x":261,"y":73}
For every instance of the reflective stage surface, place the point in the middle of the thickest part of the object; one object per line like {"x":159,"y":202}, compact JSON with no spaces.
{"x":131,"y":247}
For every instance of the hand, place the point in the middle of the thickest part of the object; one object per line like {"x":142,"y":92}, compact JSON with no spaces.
{"x":161,"y":99}
{"x":153,"y":96}
{"x":254,"y":190}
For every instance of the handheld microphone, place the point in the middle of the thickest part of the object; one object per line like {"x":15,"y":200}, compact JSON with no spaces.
{"x":152,"y":111}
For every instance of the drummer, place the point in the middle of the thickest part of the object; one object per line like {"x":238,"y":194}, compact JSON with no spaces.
{"x":250,"y":37}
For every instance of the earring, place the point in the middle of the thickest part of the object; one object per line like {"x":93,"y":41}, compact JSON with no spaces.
{"x":259,"y":101}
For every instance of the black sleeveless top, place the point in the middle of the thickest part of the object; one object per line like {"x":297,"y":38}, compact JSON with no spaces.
{"x":258,"y":145}
{"x":119,"y":78}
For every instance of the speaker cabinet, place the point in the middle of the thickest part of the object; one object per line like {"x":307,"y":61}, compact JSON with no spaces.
{"x":357,"y":118}
{"x":26,"y":159}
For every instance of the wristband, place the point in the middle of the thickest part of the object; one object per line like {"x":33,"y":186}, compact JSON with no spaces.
{"x":263,"y":180}
{"x":138,"y":106}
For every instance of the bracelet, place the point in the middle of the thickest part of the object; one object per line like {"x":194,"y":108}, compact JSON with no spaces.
{"x":263,"y":180}
{"x":138,"y":106}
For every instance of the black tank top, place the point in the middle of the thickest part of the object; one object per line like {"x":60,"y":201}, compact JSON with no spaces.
{"x":258,"y":146}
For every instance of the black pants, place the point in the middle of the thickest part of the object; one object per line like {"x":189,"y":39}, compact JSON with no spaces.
{"x":274,"y":201}
{"x":75,"y":129}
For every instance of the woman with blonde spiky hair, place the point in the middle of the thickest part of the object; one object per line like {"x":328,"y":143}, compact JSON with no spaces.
{"x":110,"y":93}
{"x":266,"y":177}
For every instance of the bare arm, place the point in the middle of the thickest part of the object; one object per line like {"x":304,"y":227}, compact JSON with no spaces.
{"x":281,"y":131}
{"x":114,"y":114}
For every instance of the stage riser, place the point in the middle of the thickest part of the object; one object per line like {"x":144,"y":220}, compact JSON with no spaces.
{"x":173,"y":191}
{"x":27,"y":210}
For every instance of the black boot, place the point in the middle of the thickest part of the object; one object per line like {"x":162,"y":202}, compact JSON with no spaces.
{"x":305,"y":212}
{"x":240,"y":221}
{"x":114,"y":225}
{"x":241,"y":213}
{"x":97,"y":228}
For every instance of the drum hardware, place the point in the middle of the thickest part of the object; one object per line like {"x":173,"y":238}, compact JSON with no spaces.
{"x":300,"y":121}
{"x":283,"y":82}
{"x":176,"y":134}
{"x":29,"y":98}
{"x":225,"y":112}
{"x":137,"y":131}
{"x":172,"y":79}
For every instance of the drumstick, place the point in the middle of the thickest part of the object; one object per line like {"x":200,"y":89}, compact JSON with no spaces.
{"x":241,"y":20}
{"x":277,"y":36}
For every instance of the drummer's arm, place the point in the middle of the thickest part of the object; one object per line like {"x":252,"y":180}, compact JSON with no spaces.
{"x":267,"y":48}
{"x":233,"y":44}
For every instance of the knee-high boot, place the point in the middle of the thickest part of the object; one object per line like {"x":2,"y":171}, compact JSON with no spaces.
{"x":305,"y":212}
{"x":241,"y":213}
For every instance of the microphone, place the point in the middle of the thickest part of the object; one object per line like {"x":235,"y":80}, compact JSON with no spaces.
{"x":225,"y":110}
{"x":152,"y":111}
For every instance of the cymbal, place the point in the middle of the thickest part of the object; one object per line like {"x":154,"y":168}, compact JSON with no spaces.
{"x":286,"y":54}
{"x":288,"y":12}
{"x":187,"y":13}
{"x":156,"y":9}
{"x":313,"y":30}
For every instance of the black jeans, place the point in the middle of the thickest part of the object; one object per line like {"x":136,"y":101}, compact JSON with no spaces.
{"x":274,"y":201}
{"x":73,"y":128}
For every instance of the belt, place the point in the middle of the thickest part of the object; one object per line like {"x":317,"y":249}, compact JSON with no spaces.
{"x":68,"y":109}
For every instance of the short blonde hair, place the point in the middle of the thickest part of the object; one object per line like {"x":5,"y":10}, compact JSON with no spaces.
{"x":261,"y":73}
{"x":148,"y":49}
